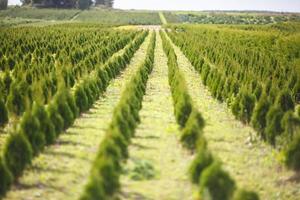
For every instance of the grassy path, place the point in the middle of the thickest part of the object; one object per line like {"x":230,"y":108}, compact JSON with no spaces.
{"x":61,"y":171}
{"x":251,"y":162}
{"x":162,"y":18}
{"x":155,"y":149}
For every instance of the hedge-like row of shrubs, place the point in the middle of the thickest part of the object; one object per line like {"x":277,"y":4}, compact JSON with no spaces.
{"x":104,"y":176}
{"x":205,"y":171}
{"x":42,"y":124}
{"x":187,"y":116}
{"x":262,"y":92}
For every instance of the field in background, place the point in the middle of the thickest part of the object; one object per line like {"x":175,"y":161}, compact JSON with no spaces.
{"x":26,"y":15}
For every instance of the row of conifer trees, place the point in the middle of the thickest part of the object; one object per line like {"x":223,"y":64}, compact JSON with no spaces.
{"x":205,"y":170}
{"x":42,"y":124}
{"x":105,"y":173}
{"x":260,"y":88}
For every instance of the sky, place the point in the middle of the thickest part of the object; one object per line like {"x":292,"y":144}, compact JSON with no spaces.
{"x":272,"y":5}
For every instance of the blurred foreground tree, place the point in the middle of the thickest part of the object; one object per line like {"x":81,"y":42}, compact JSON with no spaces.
{"x":3,"y":4}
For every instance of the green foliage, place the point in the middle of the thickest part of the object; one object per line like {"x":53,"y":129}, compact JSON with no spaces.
{"x":16,"y":100}
{"x":201,"y":161}
{"x":46,"y":126}
{"x":30,"y":127}
{"x":247,"y":104}
{"x":273,"y":128}
{"x":143,"y":170}
{"x":17,"y":153}
{"x":72,"y":104}
{"x":292,"y":154}
{"x":193,"y":130}
{"x":285,"y":101}
{"x":81,"y":99}
{"x":258,"y":120}
{"x":6,"y":178}
{"x":64,"y":109}
{"x":55,"y":118}
{"x":216,"y":184}
{"x":243,"y":106}
{"x":4,"y":113}
{"x":290,"y":124}
{"x":245,"y":195}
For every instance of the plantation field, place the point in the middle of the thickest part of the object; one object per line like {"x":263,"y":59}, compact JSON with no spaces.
{"x":215,"y":17}
{"x":111,"y":104}
{"x":23,"y":16}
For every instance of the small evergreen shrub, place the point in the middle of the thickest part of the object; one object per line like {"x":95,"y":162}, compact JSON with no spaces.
{"x":81,"y":99}
{"x":94,"y":190}
{"x":201,"y":161}
{"x":273,"y":127}
{"x":6,"y":178}
{"x":291,"y":125}
{"x":216,"y":184}
{"x":292,"y":154}
{"x":245,"y":195}
{"x":17,"y":153}
{"x":72,"y":104}
{"x":46,"y":126}
{"x":55,"y":118}
{"x":183,"y":109}
{"x":4,"y":113}
{"x":193,"y":130}
{"x":16,"y":100}
{"x":30,"y":127}
{"x":105,"y":168}
{"x":259,"y":116}
{"x":65,"y":112}
{"x":285,"y":101}
{"x":247,"y":104}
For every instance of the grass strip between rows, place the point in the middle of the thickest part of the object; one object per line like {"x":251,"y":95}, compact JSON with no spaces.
{"x":205,"y":170}
{"x":105,"y":173}
{"x":42,"y":124}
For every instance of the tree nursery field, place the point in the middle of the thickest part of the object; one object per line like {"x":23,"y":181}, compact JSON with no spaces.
{"x":106,"y":104}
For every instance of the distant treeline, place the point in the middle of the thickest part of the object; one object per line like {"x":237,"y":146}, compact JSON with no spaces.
{"x":3,"y":4}
{"x":82,"y":4}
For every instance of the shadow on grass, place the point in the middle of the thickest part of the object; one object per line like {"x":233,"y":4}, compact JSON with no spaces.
{"x":84,"y":126}
{"x":64,"y":154}
{"x":134,"y":196}
{"x":147,"y":137}
{"x":27,"y":186}
{"x":48,"y":169}
{"x":140,"y":146}
{"x":71,"y":143}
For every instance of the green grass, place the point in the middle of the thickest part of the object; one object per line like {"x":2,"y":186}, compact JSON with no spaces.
{"x":156,"y":142}
{"x":162,"y":18}
{"x":253,"y":164}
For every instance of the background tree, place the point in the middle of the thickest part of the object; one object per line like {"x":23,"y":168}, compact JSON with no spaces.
{"x":3,"y":4}
{"x":109,"y":3}
{"x":25,"y":2}
{"x":84,"y":4}
{"x":100,"y":2}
